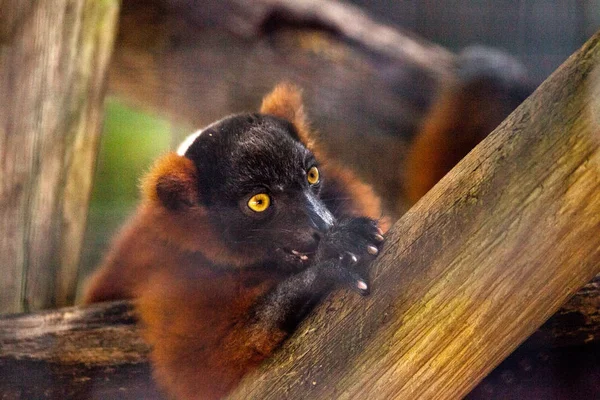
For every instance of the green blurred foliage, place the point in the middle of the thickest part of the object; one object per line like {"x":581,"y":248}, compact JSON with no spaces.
{"x":131,"y":141}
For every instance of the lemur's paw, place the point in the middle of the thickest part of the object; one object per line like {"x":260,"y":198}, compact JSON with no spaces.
{"x":348,"y":249}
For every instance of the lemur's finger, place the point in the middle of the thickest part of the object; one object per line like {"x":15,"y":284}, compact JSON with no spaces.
{"x":372,"y":250}
{"x":359,"y":283}
{"x":350,"y":276}
{"x":370,"y":232}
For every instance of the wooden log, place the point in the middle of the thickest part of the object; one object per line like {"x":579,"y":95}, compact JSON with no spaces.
{"x":53,"y":61}
{"x":575,"y":324}
{"x":93,"y":352}
{"x":364,"y":83}
{"x":473,"y":269}
{"x":97,"y":352}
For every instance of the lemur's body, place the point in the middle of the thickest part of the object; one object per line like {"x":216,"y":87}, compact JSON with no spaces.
{"x":221,"y":273}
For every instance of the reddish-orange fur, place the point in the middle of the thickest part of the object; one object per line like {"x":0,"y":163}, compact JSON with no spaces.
{"x":463,"y":115}
{"x":195,"y":310}
{"x":285,"y":101}
{"x":171,"y":169}
{"x":196,"y":322}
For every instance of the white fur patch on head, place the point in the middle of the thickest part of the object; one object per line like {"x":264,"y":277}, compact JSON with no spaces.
{"x":185,"y":145}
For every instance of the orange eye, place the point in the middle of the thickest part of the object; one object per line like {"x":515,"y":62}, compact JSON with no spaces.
{"x":312,"y":175}
{"x":259,"y":202}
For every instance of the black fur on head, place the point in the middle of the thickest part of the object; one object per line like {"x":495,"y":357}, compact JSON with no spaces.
{"x":247,"y":154}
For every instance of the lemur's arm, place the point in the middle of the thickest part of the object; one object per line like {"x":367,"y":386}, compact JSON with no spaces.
{"x":226,"y":347}
{"x":342,"y":257}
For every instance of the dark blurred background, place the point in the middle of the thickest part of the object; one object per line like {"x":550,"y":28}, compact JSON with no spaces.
{"x":541,"y":33}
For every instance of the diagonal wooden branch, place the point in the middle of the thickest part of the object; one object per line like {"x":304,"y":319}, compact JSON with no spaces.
{"x":473,"y":269}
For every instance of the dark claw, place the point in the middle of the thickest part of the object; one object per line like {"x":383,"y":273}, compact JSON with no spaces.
{"x":348,"y":258}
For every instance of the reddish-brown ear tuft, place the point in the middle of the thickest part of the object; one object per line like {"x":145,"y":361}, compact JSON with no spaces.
{"x":172,"y":182}
{"x":285,"y":101}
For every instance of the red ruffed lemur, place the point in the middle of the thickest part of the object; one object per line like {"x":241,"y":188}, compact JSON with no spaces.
{"x":238,"y":236}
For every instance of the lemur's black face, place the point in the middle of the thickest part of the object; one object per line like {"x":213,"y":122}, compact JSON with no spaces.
{"x":261,"y":187}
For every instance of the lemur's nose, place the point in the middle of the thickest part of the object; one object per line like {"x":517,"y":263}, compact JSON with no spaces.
{"x":320,"y":217}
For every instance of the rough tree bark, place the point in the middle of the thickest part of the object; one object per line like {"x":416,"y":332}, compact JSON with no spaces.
{"x":53,"y":62}
{"x":473,"y":269}
{"x":91,"y":353}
